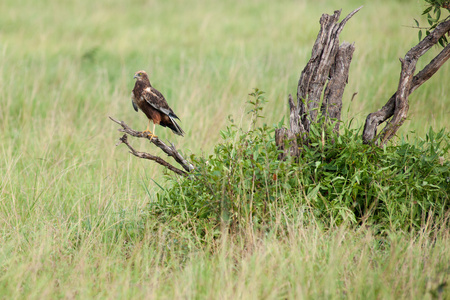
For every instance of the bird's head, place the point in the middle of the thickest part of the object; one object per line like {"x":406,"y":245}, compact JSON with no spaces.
{"x":141,"y":76}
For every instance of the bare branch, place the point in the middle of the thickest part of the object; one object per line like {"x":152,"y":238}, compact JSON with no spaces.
{"x":345,"y":20}
{"x":397,"y":105}
{"x":169,"y":150}
{"x":156,"y":159}
{"x":431,"y":68}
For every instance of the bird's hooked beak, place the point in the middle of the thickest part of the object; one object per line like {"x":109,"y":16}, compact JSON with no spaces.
{"x":135,"y":77}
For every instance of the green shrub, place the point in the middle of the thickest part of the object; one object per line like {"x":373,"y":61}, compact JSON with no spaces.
{"x":243,"y":183}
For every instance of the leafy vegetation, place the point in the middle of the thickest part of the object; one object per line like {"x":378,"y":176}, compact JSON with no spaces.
{"x":433,"y":12}
{"x":243,"y":183}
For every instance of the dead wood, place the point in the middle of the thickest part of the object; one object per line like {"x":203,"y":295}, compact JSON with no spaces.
{"x":169,"y":150}
{"x":397,"y":106}
{"x":318,"y":69}
{"x":329,"y":62}
{"x":332,"y":100}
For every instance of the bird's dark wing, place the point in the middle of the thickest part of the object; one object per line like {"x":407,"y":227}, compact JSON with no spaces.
{"x":135,"y":106}
{"x":157,"y":101}
{"x":133,"y":101}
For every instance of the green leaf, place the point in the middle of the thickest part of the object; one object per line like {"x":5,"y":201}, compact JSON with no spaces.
{"x":312,"y":194}
{"x":420,"y":35}
{"x":427,"y":11}
{"x":438,"y":14}
{"x":445,"y":41}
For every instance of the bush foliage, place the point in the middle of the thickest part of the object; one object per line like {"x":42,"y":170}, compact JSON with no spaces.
{"x":435,"y":11}
{"x":400,"y":186}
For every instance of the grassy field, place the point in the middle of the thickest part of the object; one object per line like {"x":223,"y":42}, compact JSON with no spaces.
{"x":72,"y":204}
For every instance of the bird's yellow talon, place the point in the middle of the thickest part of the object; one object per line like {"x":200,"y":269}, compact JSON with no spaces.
{"x":150,"y":134}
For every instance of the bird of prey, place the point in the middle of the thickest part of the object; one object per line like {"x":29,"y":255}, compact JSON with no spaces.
{"x":153,"y":105}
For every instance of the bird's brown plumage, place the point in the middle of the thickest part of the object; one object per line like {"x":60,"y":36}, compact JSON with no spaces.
{"x":152,"y":103}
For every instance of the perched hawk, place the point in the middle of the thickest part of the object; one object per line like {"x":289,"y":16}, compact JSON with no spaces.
{"x":153,"y":104}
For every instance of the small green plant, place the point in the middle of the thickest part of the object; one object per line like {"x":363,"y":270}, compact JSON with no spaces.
{"x":433,"y":11}
{"x":257,"y":102}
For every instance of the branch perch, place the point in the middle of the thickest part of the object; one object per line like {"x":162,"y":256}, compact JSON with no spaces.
{"x":169,"y":150}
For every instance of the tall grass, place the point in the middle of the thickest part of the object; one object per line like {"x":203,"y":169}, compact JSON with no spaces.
{"x":307,"y":263}
{"x":72,"y":205}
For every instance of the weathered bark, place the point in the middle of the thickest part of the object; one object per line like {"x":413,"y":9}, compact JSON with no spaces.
{"x":157,"y":159}
{"x":332,"y":100}
{"x":317,"y":70}
{"x":169,"y":150}
{"x":294,"y":118}
{"x":329,"y":62}
{"x":397,"y":106}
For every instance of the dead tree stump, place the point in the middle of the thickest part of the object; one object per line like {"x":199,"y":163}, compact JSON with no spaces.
{"x":329,"y":65}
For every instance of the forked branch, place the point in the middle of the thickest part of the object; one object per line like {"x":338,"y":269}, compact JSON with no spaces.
{"x":397,"y":106}
{"x":169,"y":150}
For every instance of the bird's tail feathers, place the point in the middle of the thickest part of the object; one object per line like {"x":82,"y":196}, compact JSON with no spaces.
{"x":176,"y":128}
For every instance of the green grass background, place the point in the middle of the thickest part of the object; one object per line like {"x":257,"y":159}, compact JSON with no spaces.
{"x":66,"y":191}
